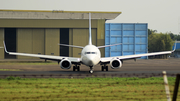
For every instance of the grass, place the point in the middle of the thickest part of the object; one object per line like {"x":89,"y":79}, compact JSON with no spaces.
{"x":104,"y":89}
{"x":30,"y":63}
{"x":10,"y":70}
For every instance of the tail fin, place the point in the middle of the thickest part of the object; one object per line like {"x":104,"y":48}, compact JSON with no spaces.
{"x":90,"y":39}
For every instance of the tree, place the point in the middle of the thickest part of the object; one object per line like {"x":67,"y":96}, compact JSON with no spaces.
{"x":150,"y":31}
{"x":159,"y":42}
{"x":177,"y":37}
{"x":172,"y":36}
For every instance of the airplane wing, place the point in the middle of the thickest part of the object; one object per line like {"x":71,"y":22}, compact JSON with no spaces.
{"x":46,"y":57}
{"x":108,"y":59}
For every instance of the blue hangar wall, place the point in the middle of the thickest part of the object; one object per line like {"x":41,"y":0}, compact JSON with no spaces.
{"x":133,"y":36}
{"x":177,"y":50}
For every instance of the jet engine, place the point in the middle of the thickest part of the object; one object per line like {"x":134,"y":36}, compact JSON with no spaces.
{"x":115,"y":63}
{"x":65,"y":64}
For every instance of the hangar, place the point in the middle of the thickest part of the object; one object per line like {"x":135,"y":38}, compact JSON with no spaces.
{"x":176,"y":54}
{"x":133,"y":36}
{"x":40,"y":32}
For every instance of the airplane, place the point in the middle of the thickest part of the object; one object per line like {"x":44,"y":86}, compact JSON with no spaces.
{"x":90,"y":56}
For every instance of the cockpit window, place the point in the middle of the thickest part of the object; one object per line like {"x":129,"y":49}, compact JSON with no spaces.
{"x":93,"y":52}
{"x":90,"y":53}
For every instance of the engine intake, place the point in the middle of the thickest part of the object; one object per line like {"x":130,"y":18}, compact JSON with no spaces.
{"x":115,"y":63}
{"x":65,"y":64}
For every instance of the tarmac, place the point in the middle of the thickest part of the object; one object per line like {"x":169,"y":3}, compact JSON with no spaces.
{"x":130,"y":68}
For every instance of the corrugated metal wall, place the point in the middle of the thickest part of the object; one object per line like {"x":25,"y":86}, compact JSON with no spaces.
{"x":133,"y":36}
{"x":30,"y":41}
{"x":177,"y":50}
{"x":52,"y":38}
{"x":177,"y":45}
{"x":42,"y":36}
{"x":80,"y":37}
{"x":37,"y":41}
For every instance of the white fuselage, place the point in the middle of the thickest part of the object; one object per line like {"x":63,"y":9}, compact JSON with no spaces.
{"x":90,"y":55}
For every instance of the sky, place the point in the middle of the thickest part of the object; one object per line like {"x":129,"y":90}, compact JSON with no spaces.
{"x":161,"y":15}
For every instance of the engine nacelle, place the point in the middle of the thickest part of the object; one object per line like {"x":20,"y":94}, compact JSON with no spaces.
{"x":65,"y":64}
{"x":115,"y":63}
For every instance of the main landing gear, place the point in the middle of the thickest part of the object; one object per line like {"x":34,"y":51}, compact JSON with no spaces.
{"x":104,"y":68}
{"x":76,"y":67}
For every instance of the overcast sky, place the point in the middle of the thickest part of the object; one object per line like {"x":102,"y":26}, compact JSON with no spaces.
{"x":161,"y":15}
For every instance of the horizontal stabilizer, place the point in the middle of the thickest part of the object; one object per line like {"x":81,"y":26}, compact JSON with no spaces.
{"x":109,"y":45}
{"x":71,"y":46}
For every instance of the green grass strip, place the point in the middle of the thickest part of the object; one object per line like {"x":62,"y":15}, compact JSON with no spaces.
{"x":100,"y":89}
{"x":10,"y":70}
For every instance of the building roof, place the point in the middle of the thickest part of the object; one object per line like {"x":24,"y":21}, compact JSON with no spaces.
{"x":56,"y":14}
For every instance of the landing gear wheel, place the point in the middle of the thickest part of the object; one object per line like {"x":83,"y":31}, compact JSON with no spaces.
{"x":102,"y":68}
{"x":91,"y":71}
{"x":106,"y":68}
{"x":76,"y":68}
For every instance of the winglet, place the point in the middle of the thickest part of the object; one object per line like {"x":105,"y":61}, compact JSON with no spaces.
{"x":174,"y":46}
{"x":5,"y":47}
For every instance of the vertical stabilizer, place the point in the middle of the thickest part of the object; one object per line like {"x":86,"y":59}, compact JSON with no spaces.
{"x":90,"y":40}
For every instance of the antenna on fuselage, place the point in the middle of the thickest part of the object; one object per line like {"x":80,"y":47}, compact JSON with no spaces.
{"x":90,"y":39}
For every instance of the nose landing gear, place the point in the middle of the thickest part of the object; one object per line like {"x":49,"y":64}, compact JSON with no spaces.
{"x":91,"y":69}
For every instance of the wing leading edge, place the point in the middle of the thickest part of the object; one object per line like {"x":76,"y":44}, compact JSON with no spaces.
{"x":108,"y":59}
{"x":47,"y":57}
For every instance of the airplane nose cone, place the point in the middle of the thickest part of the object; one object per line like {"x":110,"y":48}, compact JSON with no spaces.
{"x":91,"y":61}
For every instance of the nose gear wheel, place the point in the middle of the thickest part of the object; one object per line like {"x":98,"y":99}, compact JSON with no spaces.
{"x":91,"y":69}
